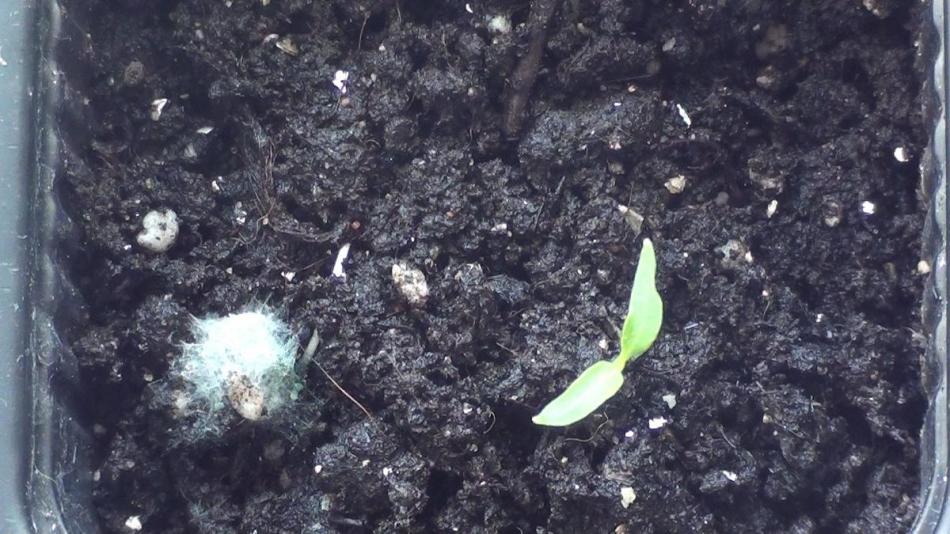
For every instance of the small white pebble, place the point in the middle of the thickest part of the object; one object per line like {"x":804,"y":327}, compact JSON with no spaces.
{"x":364,"y":463}
{"x":204,"y":130}
{"x":499,"y":228}
{"x":868,"y":207}
{"x":156,"y":108}
{"x":819,"y":318}
{"x":627,"y":496}
{"x":387,"y":471}
{"x":629,"y":434}
{"x":133,"y":523}
{"x":670,"y":400}
{"x":563,"y":459}
{"x":318,"y":469}
{"x":730,"y":475}
{"x":770,"y":211}
{"x":466,"y":408}
{"x":411,"y":283}
{"x":748,"y":256}
{"x":159,"y":231}
{"x":657,"y":422}
{"x":669,"y":44}
{"x":684,"y":115}
{"x":923,"y":267}
{"x":602,"y":343}
{"x":676,"y":184}
{"x":468,"y":7}
{"x":901,"y":154}
{"x":288,"y":275}
{"x":340,"y":258}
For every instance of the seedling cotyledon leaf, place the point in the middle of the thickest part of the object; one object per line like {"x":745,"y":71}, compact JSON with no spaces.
{"x":603,"y":379}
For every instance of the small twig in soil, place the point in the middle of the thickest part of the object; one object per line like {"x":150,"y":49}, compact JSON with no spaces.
{"x":723,"y":432}
{"x":493,"y":420}
{"x":343,"y":391}
{"x":359,"y":42}
{"x":307,"y":356}
{"x":525,"y":74}
{"x":593,"y":435}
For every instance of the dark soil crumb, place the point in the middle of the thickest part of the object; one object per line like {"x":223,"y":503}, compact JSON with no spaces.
{"x":787,"y":372}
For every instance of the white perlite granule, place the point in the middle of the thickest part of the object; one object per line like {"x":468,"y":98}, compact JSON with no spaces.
{"x":411,"y":284}
{"x":159,"y":231}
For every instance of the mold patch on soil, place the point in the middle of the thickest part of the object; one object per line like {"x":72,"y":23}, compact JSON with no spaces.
{"x":755,"y":142}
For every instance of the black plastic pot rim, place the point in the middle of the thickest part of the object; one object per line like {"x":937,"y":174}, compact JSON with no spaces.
{"x":47,"y":485}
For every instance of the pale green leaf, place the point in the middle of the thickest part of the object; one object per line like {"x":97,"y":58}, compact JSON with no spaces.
{"x":645,"y":312}
{"x":586,"y":393}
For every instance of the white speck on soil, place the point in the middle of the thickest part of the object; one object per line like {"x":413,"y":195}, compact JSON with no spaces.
{"x":683,"y":115}
{"x":563,"y":459}
{"x":627,"y":496}
{"x":602,"y":343}
{"x":159,"y":231}
{"x":732,"y":252}
{"x":629,"y":434}
{"x":468,"y":7}
{"x":868,"y":207}
{"x":923,"y":267}
{"x":287,"y":46}
{"x":157,"y":107}
{"x":340,"y":259}
{"x":669,"y":44}
{"x":387,"y":471}
{"x":901,"y":154}
{"x":364,"y":463}
{"x":670,"y":400}
{"x":339,"y":80}
{"x":730,"y":475}
{"x":676,"y":184}
{"x":318,"y":469}
{"x":499,"y":24}
{"x":770,"y":210}
{"x":204,"y":130}
{"x":133,"y":523}
{"x":288,"y":275}
{"x":500,"y":228}
{"x":657,"y":422}
{"x":411,"y":283}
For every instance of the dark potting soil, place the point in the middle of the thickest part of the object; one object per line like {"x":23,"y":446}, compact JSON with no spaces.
{"x":763,"y":143}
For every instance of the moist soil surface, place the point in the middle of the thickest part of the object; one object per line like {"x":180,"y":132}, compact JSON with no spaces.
{"x":756,"y":139}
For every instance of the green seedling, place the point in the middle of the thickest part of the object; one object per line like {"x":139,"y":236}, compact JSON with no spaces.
{"x":603,"y":379}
